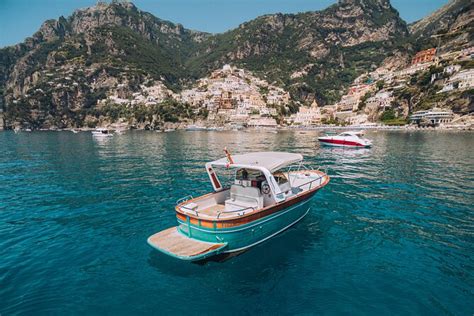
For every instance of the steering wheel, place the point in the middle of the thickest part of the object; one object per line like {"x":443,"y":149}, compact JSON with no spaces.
{"x":265,"y":188}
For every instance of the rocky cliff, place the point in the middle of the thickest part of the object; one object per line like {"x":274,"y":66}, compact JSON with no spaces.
{"x":450,"y":27}
{"x":55,"y":77}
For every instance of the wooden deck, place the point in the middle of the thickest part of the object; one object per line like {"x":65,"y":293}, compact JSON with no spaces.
{"x":173,"y":242}
{"x":213,"y":210}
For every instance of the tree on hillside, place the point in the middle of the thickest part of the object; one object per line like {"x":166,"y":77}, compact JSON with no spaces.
{"x":388,"y":115}
{"x":380,"y":84}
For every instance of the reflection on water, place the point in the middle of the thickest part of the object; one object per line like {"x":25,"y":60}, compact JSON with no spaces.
{"x":392,"y":232}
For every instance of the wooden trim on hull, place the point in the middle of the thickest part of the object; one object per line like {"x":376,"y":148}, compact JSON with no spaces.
{"x":250,"y":225}
{"x":250,"y":217}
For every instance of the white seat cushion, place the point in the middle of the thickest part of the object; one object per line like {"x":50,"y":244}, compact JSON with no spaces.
{"x":234,"y":205}
{"x":243,"y":197}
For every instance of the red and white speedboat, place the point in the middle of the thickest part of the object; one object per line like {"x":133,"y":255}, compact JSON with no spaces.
{"x":346,"y":139}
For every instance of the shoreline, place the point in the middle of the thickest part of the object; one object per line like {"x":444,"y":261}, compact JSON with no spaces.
{"x":268,"y":128}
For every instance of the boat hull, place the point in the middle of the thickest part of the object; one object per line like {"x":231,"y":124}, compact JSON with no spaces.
{"x":242,"y":237}
{"x":343,"y":143}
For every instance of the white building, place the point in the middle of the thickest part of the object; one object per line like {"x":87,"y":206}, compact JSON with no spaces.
{"x":413,"y":69}
{"x":465,"y":79}
{"x":382,"y":99}
{"x":434,"y":116}
{"x":451,"y":69}
{"x":307,"y":116}
{"x":449,"y":86}
{"x":462,"y":80}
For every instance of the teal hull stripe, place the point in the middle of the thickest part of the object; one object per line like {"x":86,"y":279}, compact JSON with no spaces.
{"x":256,"y":223}
{"x":268,"y":237}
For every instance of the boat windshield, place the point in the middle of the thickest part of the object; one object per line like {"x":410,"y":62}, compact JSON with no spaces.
{"x":349,"y":135}
{"x":280,"y":177}
{"x":248,"y":174}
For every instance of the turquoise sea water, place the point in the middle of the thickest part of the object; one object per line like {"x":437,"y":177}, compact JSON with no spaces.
{"x":392,"y":233}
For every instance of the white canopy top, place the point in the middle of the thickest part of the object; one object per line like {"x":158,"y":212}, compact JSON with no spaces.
{"x":271,"y":161}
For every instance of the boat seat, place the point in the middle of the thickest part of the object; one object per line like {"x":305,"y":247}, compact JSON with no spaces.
{"x":243,"y":197}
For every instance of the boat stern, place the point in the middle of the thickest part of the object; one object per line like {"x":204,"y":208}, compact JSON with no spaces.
{"x":174,"y":243}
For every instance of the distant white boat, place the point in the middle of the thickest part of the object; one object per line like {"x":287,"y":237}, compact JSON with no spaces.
{"x":74,"y":131}
{"x":27,"y":129}
{"x":195,"y":128}
{"x":170,"y":130}
{"x":237,"y":127}
{"x":346,"y":139}
{"x":102,"y":132}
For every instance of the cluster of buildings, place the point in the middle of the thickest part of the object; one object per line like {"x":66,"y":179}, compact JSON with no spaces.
{"x":378,"y":99}
{"x":307,"y":115}
{"x":151,"y":93}
{"x":234,"y":95}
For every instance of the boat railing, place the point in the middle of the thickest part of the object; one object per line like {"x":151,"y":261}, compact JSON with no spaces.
{"x":311,"y":182}
{"x":184,"y":199}
{"x":190,"y":209}
{"x":236,"y":211}
{"x":300,"y":167}
{"x":297,"y":168}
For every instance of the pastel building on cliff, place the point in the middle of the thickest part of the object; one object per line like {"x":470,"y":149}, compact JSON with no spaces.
{"x":307,"y":116}
{"x":424,"y":56}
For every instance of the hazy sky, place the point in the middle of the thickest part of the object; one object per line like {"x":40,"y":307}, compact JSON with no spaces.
{"x":21,"y":18}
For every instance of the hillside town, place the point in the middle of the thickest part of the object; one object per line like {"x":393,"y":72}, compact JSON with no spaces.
{"x":233,"y":95}
{"x":374,"y":93}
{"x":236,"y":97}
